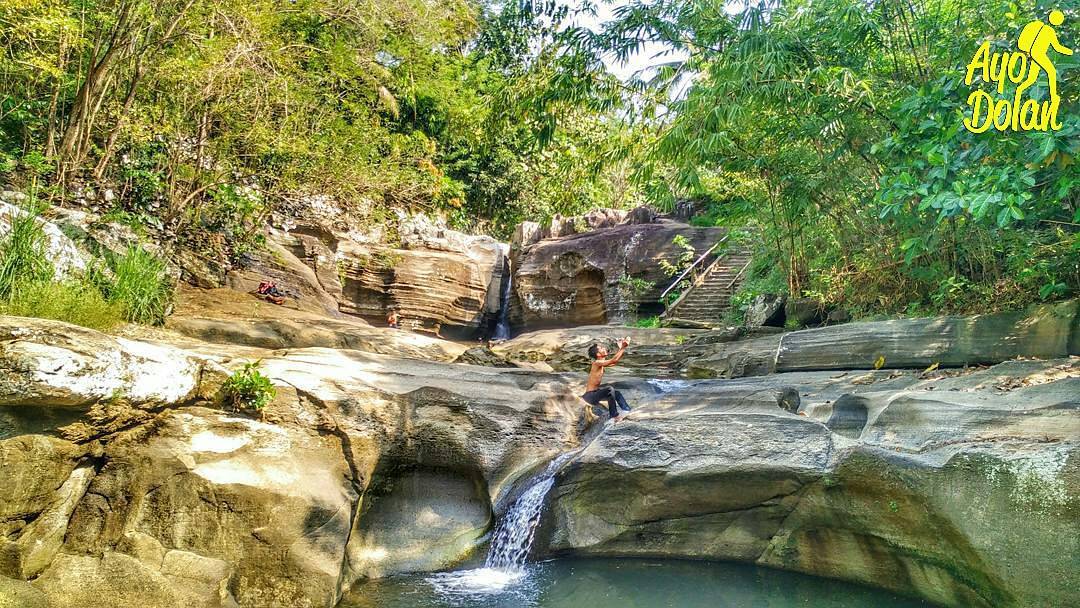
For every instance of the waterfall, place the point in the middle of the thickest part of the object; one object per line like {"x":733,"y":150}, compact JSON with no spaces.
{"x":505,"y":564}
{"x":502,"y":325}
{"x":514,"y":535}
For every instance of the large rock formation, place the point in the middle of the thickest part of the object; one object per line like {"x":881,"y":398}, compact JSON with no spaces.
{"x":436,"y":278}
{"x":609,"y":274}
{"x":1043,"y":331}
{"x":960,"y":489}
{"x":123,"y":477}
{"x":157,"y":497}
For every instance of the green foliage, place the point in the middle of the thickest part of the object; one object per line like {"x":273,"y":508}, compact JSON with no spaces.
{"x":634,"y":287}
{"x":836,"y":127}
{"x":139,"y":284}
{"x":206,"y":114}
{"x":72,"y":301}
{"x":763,"y":276}
{"x":687,"y":255}
{"x":24,"y":257}
{"x":247,"y":388}
{"x":27,"y":288}
{"x":647,"y":322}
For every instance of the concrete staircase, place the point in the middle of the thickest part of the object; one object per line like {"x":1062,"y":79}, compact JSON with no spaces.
{"x":709,"y":298}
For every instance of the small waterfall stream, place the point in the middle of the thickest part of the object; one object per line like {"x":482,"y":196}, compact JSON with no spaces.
{"x":502,"y":324}
{"x":510,"y":545}
{"x":514,"y":534}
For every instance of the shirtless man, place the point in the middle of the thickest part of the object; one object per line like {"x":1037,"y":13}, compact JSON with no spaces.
{"x":594,"y":392}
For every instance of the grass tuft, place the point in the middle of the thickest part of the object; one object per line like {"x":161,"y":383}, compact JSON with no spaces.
{"x":140,"y":285}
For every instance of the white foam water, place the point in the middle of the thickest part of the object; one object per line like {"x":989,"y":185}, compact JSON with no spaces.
{"x":665,"y":385}
{"x":504,"y":567}
{"x":513,"y":538}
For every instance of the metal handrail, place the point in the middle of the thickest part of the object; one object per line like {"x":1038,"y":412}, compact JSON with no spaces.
{"x":739,"y":276}
{"x":698,"y":281}
{"x":691,"y":267}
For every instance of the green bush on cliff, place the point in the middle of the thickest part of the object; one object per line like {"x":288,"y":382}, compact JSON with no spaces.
{"x":27,"y":288}
{"x":248,"y":389}
{"x":136,"y":289}
{"x":72,"y":301}
{"x":140,"y":285}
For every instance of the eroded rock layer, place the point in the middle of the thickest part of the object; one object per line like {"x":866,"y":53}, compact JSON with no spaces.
{"x":124,"y":476}
{"x":609,"y":274}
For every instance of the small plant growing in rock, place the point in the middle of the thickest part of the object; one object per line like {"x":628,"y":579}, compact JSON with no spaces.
{"x":249,"y":389}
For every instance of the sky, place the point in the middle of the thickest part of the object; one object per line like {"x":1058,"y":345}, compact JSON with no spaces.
{"x":651,"y":54}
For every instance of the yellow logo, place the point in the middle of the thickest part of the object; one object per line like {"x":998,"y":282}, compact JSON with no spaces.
{"x":1023,"y":69}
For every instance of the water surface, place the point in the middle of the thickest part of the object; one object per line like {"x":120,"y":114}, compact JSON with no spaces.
{"x":620,"y":583}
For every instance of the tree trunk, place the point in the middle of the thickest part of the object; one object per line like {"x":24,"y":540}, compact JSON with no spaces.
{"x":89,"y":95}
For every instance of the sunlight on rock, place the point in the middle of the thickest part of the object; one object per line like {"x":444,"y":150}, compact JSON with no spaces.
{"x":235,"y":472}
{"x":208,"y":441}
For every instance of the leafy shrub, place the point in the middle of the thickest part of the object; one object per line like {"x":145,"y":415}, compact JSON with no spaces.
{"x":647,"y":322}
{"x":27,"y":288}
{"x":140,"y":285}
{"x":685,"y":259}
{"x":763,"y":276}
{"x":237,"y":212}
{"x":633,"y":287}
{"x":247,"y":388}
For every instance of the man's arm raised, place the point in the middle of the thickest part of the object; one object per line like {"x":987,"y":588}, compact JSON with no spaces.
{"x":618,"y":355}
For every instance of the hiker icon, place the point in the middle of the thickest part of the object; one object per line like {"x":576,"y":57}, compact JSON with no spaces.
{"x":1036,"y":39}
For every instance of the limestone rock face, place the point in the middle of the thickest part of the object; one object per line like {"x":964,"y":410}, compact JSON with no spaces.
{"x":438,"y":277}
{"x":961,"y":486}
{"x":57,"y":364}
{"x":938,"y":493}
{"x":186,"y":505}
{"x":528,"y":233}
{"x":1043,"y":331}
{"x":18,"y":594}
{"x":427,"y":288}
{"x":293,"y":271}
{"x":75,"y":581}
{"x":594,"y":277}
{"x":766,"y":309}
{"x":65,"y":256}
{"x":304,"y":333}
{"x":231,"y":489}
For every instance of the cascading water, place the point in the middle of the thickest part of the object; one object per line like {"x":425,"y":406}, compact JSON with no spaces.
{"x":514,"y":535}
{"x":502,"y":324}
{"x":505,"y":564}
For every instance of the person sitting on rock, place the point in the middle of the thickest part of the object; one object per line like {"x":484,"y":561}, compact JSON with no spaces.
{"x":392,"y":320}
{"x":594,"y":391}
